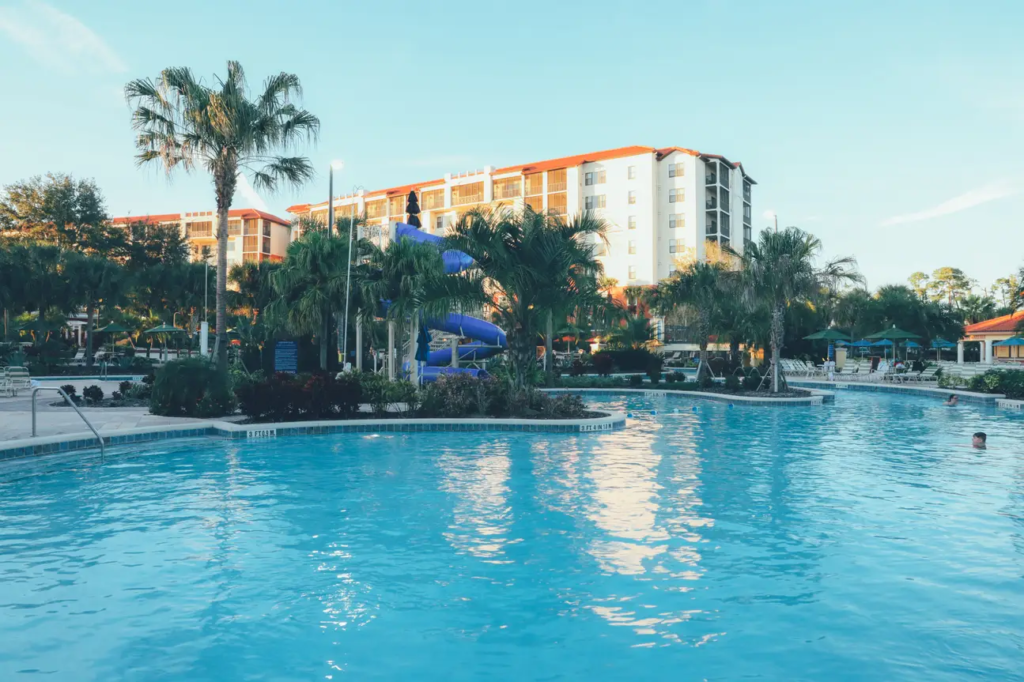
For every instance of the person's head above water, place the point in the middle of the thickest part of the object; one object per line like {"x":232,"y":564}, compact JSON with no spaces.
{"x":953,"y":399}
{"x":979,"y":440}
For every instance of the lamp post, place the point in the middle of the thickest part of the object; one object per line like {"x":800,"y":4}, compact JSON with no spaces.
{"x":335,"y":165}
{"x":348,"y":280}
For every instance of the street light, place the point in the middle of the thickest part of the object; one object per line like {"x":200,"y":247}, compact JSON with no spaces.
{"x":348,"y":281}
{"x":336,"y":165}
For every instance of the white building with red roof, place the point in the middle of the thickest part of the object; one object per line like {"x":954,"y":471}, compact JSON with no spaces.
{"x":988,"y":332}
{"x":662,"y":205}
{"x":252,"y":235}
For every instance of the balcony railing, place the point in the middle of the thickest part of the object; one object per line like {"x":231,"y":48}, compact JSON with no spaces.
{"x":711,"y":203}
{"x":710,"y":179}
{"x":557,"y":186}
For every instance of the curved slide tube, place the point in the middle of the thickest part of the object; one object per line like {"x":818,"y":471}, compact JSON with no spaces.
{"x":490,"y":339}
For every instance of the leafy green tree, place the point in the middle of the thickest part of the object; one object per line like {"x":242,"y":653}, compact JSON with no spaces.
{"x":779,"y":270}
{"x":522,"y":257}
{"x":184,"y":123}
{"x":919,"y":281}
{"x":949,"y":285}
{"x":15,"y":281}
{"x":54,"y":208}
{"x":700,"y":288}
{"x":1008,"y":291}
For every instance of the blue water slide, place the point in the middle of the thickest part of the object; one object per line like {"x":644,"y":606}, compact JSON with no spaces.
{"x":490,"y":339}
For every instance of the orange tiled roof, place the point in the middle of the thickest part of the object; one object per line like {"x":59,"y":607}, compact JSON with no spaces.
{"x":253,"y":213}
{"x":1006,"y":323}
{"x":665,"y":151}
{"x":298,"y":208}
{"x":147,"y":219}
{"x":568,"y":161}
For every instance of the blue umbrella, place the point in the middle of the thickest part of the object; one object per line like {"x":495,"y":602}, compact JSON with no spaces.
{"x":423,"y":344}
{"x":883,"y":342}
{"x":912,"y":344}
{"x":1012,"y":341}
{"x":863,"y":343}
{"x":942,"y":343}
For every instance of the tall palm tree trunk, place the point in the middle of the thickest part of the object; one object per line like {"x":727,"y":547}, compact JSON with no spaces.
{"x":224,"y":180}
{"x":90,"y":311}
{"x":776,"y":342}
{"x":549,"y":364}
{"x":325,"y":339}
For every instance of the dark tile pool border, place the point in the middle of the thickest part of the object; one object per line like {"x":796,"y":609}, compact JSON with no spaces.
{"x":903,"y":389}
{"x":218,"y":429}
{"x":817,"y":397}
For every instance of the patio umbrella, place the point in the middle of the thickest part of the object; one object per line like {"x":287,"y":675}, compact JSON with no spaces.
{"x":164,"y":330}
{"x":938,"y":344}
{"x":1011,"y":342}
{"x":894,"y":334}
{"x":827,"y":335}
{"x":113,"y":328}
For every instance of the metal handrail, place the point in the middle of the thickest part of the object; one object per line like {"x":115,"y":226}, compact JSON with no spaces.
{"x":71,"y":402}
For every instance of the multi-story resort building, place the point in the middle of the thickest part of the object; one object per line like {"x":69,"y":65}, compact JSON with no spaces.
{"x":662,"y":205}
{"x":252,"y":235}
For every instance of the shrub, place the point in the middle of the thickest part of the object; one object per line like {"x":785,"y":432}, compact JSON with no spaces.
{"x":125,"y":387}
{"x":654,"y":364}
{"x":287,"y":397}
{"x":603,"y":363}
{"x":752,"y":381}
{"x":631,"y":359}
{"x":636,"y":379}
{"x":191,"y":388}
{"x":70,"y":390}
{"x":705,"y":380}
{"x":592,"y":382}
{"x":117,"y":395}
{"x":576,"y":369}
{"x":732,"y":382}
{"x":565,"y":406}
{"x":456,"y":395}
{"x":676,"y":377}
{"x":1008,"y":382}
{"x":92,"y":394}
{"x":384,"y":394}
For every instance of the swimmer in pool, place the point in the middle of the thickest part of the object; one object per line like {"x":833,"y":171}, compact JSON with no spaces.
{"x":979,"y":441}
{"x":952,"y":402}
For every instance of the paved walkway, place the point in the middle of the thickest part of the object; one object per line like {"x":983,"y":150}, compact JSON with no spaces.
{"x":16,"y":417}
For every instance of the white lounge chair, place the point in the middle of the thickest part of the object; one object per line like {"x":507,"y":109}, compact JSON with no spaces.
{"x":15,"y":379}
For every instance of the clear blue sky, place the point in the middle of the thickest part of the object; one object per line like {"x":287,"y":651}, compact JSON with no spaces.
{"x":893,"y":131}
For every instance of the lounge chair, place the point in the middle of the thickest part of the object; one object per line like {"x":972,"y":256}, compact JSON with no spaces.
{"x":15,"y":379}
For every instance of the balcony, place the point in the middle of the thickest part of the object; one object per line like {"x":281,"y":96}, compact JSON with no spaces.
{"x":746,"y":191}
{"x":557,"y":186}
{"x":711,"y":200}
{"x":710,"y":179}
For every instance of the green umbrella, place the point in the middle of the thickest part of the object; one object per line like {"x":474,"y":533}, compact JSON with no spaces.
{"x":894,"y":334}
{"x":38,"y":325}
{"x":165,"y":329}
{"x":828,"y":335}
{"x":113,"y":328}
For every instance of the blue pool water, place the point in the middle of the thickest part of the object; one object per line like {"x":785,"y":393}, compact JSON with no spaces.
{"x":860,"y":541}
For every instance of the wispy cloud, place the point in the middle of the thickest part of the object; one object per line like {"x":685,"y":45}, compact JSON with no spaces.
{"x":251,"y":196}
{"x":58,"y":40}
{"x":962,"y":202}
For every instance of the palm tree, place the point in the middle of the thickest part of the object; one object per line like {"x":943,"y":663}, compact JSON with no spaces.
{"x":779,"y":270}
{"x":634,"y":331}
{"x":534,"y":267}
{"x":183,"y":122}
{"x":310,"y":287}
{"x":96,"y":280}
{"x":698,"y":287}
{"x":977,"y":308}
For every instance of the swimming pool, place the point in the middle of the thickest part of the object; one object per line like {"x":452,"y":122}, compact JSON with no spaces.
{"x":855,"y":541}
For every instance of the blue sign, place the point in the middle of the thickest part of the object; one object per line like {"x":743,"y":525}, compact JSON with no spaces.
{"x":286,"y":357}
{"x":831,"y":352}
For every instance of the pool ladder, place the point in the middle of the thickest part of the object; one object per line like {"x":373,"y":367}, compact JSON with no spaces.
{"x":70,"y":402}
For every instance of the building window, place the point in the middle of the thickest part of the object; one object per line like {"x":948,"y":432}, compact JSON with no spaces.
{"x":632,"y":172}
{"x":468,"y":194}
{"x":594,"y":178}
{"x":534,"y":184}
{"x":432,"y":199}
{"x":557,"y":203}
{"x":632,"y":196}
{"x":723,"y":198}
{"x":596,"y":201}
{"x":676,"y":170}
{"x":439,"y":223}
{"x":557,"y":180}
{"x":746,"y":213}
{"x":746,"y":190}
{"x":266,"y":228}
{"x":723,"y":174}
{"x":250,"y":243}
{"x":199,"y":230}
{"x":676,"y":220}
{"x":747,"y":233}
{"x":632,"y":272}
{"x":725,"y":225}
{"x":234,"y":228}
{"x":632,"y":222}
{"x":509,"y":188}
{"x":632,"y":247}
{"x":536,"y":203}
{"x":711,"y":224}
{"x":672,"y":245}
{"x":675,"y":196}
{"x":266,"y":245}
